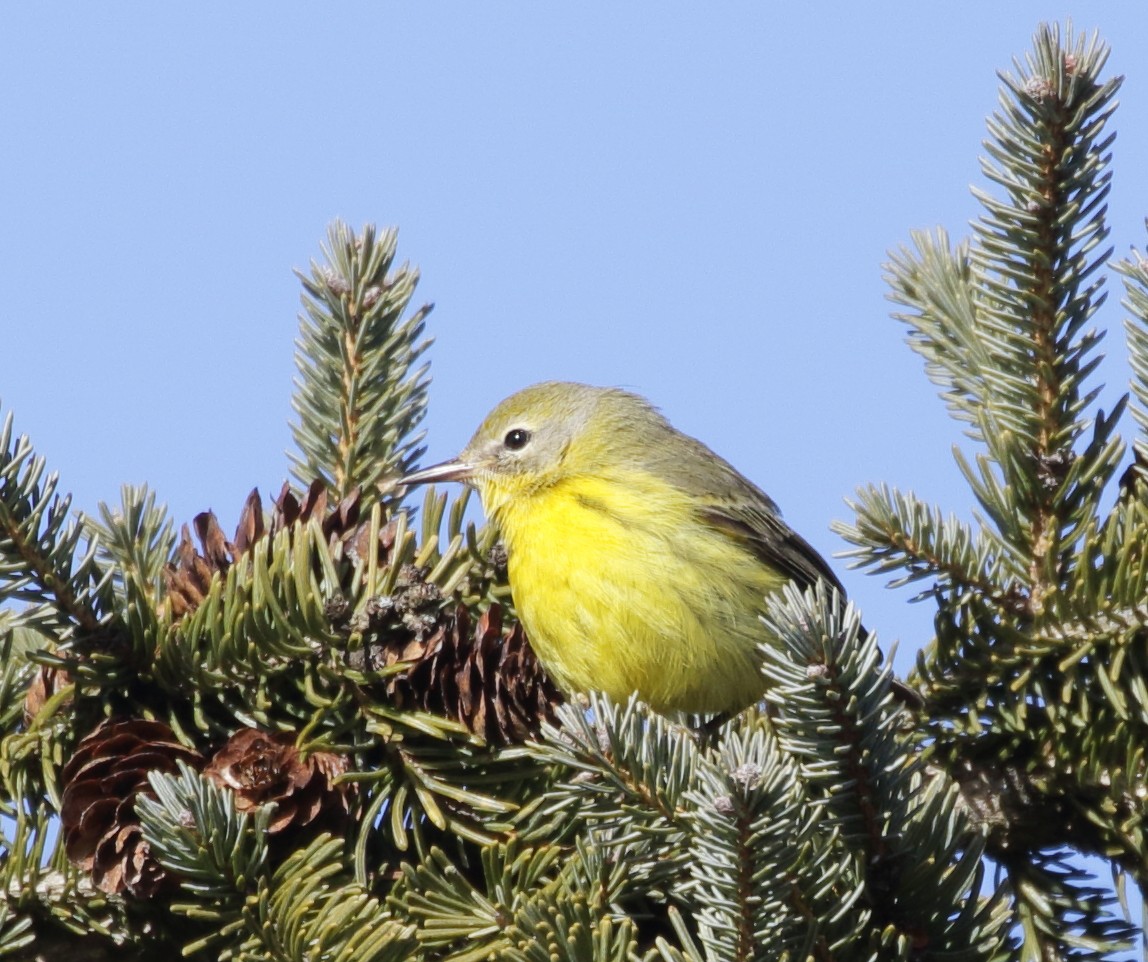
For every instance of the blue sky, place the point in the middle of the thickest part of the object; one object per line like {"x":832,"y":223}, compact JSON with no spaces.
{"x":693,"y":201}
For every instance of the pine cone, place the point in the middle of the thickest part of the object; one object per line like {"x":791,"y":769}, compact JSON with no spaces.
{"x":188,"y":577}
{"x":480,"y":675}
{"x":341,"y":524}
{"x":261,"y":767}
{"x":45,"y":683}
{"x":101,"y":781}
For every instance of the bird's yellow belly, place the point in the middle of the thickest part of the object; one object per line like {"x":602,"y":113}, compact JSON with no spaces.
{"x":621,"y":589}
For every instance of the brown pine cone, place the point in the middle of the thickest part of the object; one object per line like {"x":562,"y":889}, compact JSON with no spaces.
{"x":102,"y":780}
{"x":188,"y":577}
{"x":481,"y":675}
{"x":262,"y":767}
{"x":45,"y":683}
{"x":478,"y":674}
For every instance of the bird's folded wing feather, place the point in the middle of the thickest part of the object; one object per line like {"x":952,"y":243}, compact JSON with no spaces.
{"x":775,"y":543}
{"x":731,"y":503}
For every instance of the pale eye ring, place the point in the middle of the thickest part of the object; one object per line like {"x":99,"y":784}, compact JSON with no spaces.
{"x":516,"y":439}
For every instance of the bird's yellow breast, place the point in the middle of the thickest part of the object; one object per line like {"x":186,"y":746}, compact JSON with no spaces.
{"x":621,"y":587}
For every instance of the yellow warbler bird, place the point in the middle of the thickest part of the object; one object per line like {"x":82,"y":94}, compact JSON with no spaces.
{"x":639,"y":560}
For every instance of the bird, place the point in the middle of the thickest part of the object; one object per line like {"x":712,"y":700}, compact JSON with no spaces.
{"x":639,"y":560}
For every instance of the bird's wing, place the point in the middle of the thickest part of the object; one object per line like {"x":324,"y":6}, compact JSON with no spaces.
{"x":763,"y":532}
{"x":734,"y":505}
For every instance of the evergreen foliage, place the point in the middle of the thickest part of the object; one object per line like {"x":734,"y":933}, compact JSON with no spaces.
{"x":1034,"y":681}
{"x":359,"y":395}
{"x":298,"y":744}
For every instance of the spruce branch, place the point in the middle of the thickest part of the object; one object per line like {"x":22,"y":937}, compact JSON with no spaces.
{"x":530,"y":904}
{"x":431,"y":781}
{"x":359,"y":396}
{"x":43,"y":558}
{"x":309,"y":909}
{"x":1135,"y":272}
{"x":1036,"y":250}
{"x":1033,"y":700}
{"x":570,"y":929}
{"x":1063,"y":916}
{"x":46,"y":904}
{"x":264,"y":619}
{"x":833,"y":713}
{"x":16,"y":672}
{"x":34,"y":724}
{"x":627,"y":771}
{"x":1000,"y":321}
{"x":463,"y":921}
{"x":135,"y":542}
{"x":833,"y":707}
{"x":195,"y":832}
{"x":897,"y":532}
{"x":934,"y":282}
{"x":761,"y":856}
{"x":680,"y":824}
{"x":15,"y":931}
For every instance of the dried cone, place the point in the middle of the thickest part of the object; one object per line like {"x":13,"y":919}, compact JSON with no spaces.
{"x":188,"y":577}
{"x":341,"y":524}
{"x":102,"y":780}
{"x":481,"y":675}
{"x":46,"y":683}
{"x":478,"y":674}
{"x":262,"y":767}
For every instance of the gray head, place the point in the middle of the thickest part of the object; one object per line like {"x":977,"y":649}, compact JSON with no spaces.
{"x":549,"y":429}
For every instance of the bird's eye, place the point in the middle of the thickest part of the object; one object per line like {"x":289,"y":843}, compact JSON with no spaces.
{"x":516,"y":439}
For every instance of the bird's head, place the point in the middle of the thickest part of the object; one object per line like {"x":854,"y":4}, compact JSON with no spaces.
{"x":538,"y":436}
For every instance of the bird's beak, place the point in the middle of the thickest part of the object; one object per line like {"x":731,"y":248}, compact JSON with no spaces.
{"x":453,"y":470}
